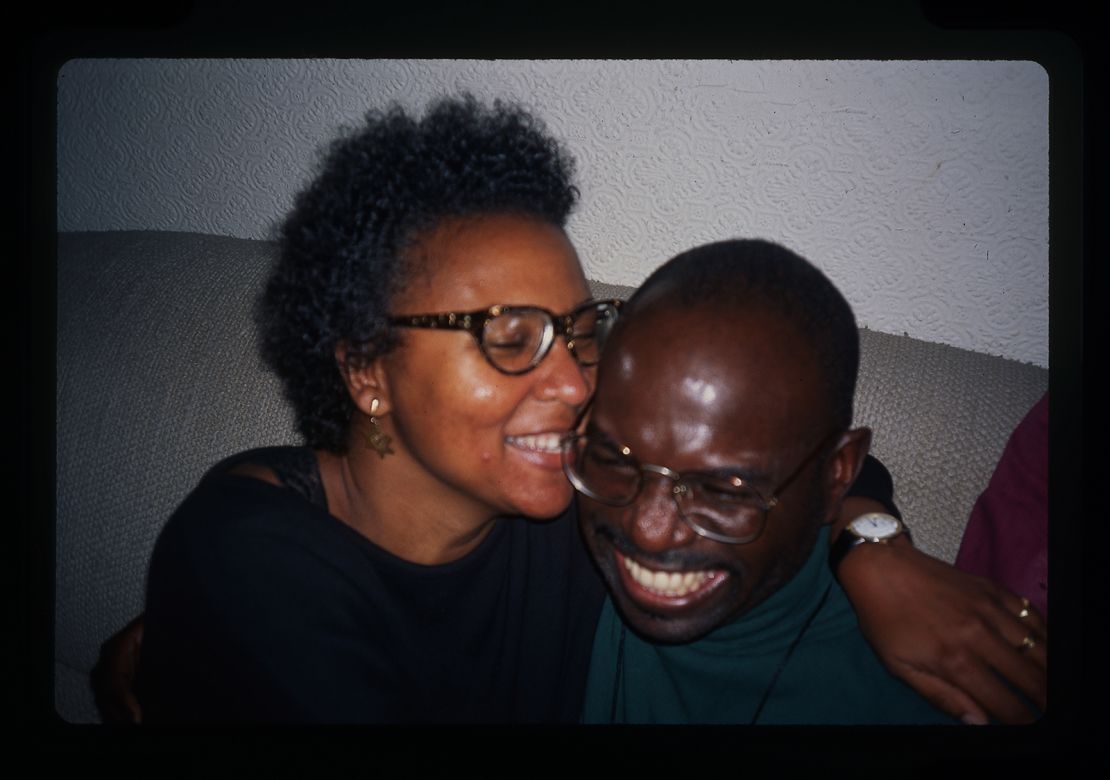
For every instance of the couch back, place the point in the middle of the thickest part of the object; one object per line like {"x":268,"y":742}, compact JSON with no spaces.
{"x":158,"y":377}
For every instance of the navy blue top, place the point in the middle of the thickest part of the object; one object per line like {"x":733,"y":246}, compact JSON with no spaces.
{"x":262,"y":607}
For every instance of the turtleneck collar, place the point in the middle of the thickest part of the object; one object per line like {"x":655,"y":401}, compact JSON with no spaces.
{"x":777,"y":620}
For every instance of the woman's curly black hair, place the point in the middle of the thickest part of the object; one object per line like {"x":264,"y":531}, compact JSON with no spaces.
{"x":341,"y":256}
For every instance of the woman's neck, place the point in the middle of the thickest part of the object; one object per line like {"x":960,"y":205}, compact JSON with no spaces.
{"x":421,"y":524}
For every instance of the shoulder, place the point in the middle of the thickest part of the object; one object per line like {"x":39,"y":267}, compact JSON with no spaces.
{"x":854,"y":685}
{"x":554,"y":546}
{"x":241,"y":552}
{"x":239,"y":514}
{"x":550,"y":560}
{"x":249,"y":581}
{"x":263,"y":463}
{"x":257,"y":471}
{"x":248,"y":483}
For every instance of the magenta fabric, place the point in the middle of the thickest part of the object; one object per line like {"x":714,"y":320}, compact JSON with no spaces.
{"x":1006,"y":538}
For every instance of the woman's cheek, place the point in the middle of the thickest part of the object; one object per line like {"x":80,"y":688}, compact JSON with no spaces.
{"x":483,"y":393}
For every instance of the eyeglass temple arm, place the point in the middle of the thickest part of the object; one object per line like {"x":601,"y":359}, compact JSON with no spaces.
{"x":579,"y":426}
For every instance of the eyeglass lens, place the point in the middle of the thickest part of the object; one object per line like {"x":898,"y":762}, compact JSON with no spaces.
{"x":520,"y":338}
{"x":724,"y":506}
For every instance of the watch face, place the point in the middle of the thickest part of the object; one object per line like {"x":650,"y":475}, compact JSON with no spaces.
{"x":875,"y":526}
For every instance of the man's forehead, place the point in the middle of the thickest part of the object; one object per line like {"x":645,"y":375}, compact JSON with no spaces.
{"x":704,"y":341}
{"x":726,"y":369}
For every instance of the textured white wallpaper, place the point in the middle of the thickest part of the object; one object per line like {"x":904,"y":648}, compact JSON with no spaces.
{"x":921,"y":188}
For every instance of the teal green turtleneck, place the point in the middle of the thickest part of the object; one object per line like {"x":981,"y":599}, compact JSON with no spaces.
{"x":832,"y":677}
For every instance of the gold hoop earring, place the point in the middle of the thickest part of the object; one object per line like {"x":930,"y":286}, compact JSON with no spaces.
{"x":377,"y":439}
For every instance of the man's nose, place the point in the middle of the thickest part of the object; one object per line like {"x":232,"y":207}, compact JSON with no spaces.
{"x":653,"y":521}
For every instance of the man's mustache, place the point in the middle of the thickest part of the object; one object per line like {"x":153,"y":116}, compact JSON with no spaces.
{"x":676,"y":560}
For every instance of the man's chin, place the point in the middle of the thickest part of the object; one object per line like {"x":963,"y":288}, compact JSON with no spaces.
{"x":663,"y":628}
{"x":678,"y":612}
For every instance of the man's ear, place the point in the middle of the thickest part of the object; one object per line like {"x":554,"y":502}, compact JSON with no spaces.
{"x":365,"y":379}
{"x":844,"y":466}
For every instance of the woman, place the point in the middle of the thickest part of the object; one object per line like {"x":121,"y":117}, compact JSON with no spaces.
{"x":385,"y":572}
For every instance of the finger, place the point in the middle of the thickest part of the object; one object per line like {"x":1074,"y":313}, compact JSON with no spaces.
{"x":1034,"y":649}
{"x":112,"y":711}
{"x":1014,"y":645}
{"x":133,"y":709}
{"x":1034,"y":621}
{"x":135,"y":627}
{"x":1026,"y":613}
{"x":1023,"y":666}
{"x":994,"y":695}
{"x":980,"y":678}
{"x":945,"y":697}
{"x":1018,"y":647}
{"x":110,"y":697}
{"x":119,"y":706}
{"x":1022,"y":628}
{"x":1019,"y":625}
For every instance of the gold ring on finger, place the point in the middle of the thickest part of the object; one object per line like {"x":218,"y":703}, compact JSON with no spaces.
{"x":1027,"y":642}
{"x":1024,"y":613}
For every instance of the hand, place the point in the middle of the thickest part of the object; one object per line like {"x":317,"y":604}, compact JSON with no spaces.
{"x":948,"y":634}
{"x":113,"y":677}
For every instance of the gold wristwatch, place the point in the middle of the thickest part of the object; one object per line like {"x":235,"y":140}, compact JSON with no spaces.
{"x":869,"y":528}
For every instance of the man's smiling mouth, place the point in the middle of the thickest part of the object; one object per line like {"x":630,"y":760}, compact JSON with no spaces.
{"x":671,"y":584}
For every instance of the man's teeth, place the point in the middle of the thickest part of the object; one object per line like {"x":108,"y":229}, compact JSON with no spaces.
{"x":665,"y":583}
{"x":540,"y":442}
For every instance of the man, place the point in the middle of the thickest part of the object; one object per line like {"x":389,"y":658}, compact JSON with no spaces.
{"x":716,"y":454}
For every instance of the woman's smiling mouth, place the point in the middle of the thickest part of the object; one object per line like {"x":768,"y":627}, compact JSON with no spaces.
{"x":541,"y":449}
{"x":537,"y":442}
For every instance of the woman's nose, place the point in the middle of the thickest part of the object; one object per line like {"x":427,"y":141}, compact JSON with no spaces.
{"x":561,"y":377}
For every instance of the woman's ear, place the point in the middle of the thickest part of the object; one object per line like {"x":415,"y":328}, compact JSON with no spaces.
{"x":365,"y":379}
{"x":844,"y":466}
